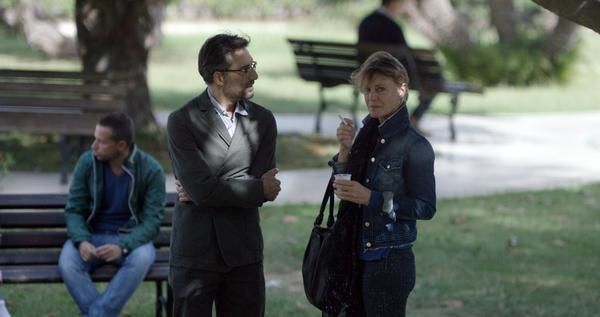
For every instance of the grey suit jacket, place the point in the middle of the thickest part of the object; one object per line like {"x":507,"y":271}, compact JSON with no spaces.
{"x":220,"y":228}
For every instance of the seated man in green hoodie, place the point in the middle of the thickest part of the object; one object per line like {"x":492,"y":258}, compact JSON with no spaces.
{"x":113,"y":213}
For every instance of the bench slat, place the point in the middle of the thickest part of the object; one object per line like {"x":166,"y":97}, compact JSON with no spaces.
{"x":50,"y":256}
{"x":50,"y":274}
{"x":59,"y":105}
{"x":19,"y":201}
{"x":46,"y":219}
{"x":65,"y":124}
{"x":32,"y":219}
{"x":44,"y":74}
{"x":326,"y":58}
{"x":457,"y":87}
{"x":52,"y":239}
{"x":79,"y":89}
{"x":46,"y":201}
{"x":32,"y":239}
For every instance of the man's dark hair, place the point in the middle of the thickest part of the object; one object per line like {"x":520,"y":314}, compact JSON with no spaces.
{"x":121,"y":126}
{"x":215,"y":54}
{"x":386,"y":2}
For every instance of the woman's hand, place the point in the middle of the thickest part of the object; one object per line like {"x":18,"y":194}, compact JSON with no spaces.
{"x":352,"y":191}
{"x":345,"y":135}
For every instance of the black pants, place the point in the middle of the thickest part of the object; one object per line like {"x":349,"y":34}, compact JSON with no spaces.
{"x":424,"y":104}
{"x":239,"y":292}
{"x":387,"y":284}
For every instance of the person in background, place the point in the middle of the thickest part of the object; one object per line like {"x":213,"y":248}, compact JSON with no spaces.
{"x":392,"y":186}
{"x":380,"y":27}
{"x":113,"y":213}
{"x":222,"y":148}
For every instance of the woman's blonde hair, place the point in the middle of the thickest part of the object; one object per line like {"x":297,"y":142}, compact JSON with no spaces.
{"x":382,"y":63}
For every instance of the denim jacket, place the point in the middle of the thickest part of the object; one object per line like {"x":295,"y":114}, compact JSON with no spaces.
{"x":400,"y":177}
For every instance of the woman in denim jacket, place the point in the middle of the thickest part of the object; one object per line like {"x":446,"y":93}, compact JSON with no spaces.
{"x":392,"y":186}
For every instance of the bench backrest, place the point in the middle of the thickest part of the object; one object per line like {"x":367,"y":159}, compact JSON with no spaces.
{"x":424,"y":71}
{"x":332,"y":63}
{"x":33,"y":230}
{"x":66,"y":102}
{"x":325,"y":62}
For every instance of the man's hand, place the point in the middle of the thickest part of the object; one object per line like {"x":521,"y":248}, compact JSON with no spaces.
{"x":87,"y":251}
{"x":271,"y":185}
{"x":181,"y":193}
{"x":109,"y":252}
{"x":352,"y":191}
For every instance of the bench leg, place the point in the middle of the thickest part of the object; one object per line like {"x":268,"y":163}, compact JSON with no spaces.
{"x":65,"y":152}
{"x":322,"y":107}
{"x":453,"y":109}
{"x":160,"y":299}
{"x":354,"y":104}
{"x":169,"y":301}
{"x":67,"y":149}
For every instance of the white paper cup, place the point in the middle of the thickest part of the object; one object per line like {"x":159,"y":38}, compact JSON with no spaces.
{"x":342,"y":177}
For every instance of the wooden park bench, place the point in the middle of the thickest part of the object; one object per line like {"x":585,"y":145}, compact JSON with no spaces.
{"x":32,"y":233}
{"x":331,"y":63}
{"x":68,"y":103}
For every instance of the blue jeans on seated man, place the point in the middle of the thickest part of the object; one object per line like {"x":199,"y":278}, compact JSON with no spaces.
{"x":75,"y":273}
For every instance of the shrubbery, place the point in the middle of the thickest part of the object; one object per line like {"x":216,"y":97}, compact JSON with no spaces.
{"x":6,"y":162}
{"x":520,"y":63}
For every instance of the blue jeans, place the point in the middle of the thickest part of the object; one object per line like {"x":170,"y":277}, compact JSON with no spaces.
{"x":75,"y":273}
{"x":386,"y":283}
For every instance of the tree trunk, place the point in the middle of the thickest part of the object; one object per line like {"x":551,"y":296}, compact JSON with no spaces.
{"x":584,"y":12}
{"x":561,"y":39}
{"x":504,"y":18}
{"x":116,"y":37}
{"x":439,"y":21}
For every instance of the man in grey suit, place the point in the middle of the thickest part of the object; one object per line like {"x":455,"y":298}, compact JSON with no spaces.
{"x":222,"y":148}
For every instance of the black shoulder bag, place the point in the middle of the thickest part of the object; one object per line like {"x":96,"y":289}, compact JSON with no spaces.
{"x":327,"y":263}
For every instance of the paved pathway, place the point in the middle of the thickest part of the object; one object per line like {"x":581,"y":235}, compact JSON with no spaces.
{"x":491,"y":154}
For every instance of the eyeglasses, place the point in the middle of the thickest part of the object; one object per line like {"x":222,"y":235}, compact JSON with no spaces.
{"x":244,"y":69}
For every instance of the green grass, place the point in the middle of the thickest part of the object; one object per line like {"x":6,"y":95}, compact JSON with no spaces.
{"x":520,"y":254}
{"x":523,"y":254}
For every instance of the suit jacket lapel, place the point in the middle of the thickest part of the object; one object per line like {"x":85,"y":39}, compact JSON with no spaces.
{"x":212,"y":118}
{"x":243,"y":135}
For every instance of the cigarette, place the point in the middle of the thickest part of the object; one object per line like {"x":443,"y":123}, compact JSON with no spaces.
{"x":343,"y":119}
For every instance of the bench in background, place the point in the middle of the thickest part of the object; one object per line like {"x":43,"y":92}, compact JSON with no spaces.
{"x":33,"y":232}
{"x":68,"y":103}
{"x":331,"y":64}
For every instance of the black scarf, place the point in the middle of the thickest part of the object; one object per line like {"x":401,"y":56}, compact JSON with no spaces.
{"x":358,"y":161}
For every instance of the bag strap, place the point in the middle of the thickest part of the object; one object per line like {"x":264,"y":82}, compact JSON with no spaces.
{"x":327,"y":197}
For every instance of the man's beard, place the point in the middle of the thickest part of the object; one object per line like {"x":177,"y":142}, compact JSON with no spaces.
{"x":107,"y":157}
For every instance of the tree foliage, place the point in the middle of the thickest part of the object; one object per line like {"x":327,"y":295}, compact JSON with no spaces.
{"x":497,"y":41}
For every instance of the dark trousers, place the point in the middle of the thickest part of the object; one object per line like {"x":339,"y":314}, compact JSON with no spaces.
{"x":424,"y":104}
{"x":239,"y":292}
{"x":387,"y":284}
